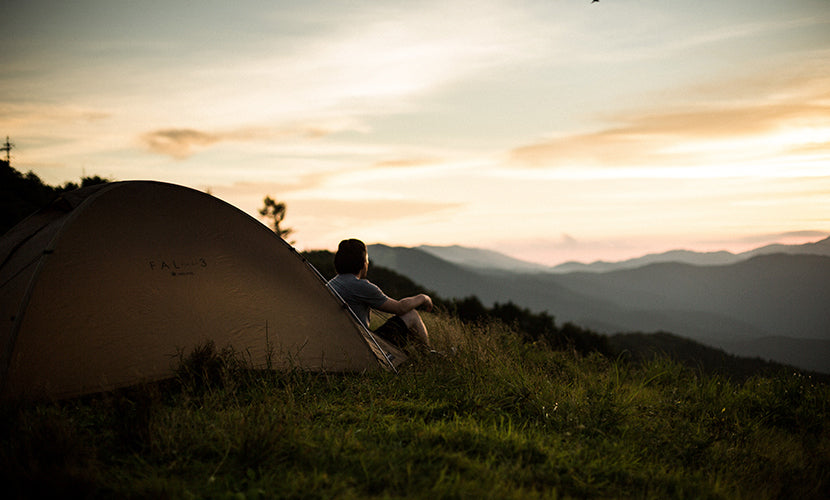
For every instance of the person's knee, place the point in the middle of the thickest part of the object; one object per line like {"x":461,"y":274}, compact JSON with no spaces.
{"x":411,"y":319}
{"x":416,"y":326}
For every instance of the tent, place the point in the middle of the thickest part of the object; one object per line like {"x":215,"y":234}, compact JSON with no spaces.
{"x":106,"y":286}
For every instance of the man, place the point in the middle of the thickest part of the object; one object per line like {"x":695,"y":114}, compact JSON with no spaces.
{"x":352,"y":263}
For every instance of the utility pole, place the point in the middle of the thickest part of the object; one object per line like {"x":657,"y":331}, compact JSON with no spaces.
{"x":7,"y":147}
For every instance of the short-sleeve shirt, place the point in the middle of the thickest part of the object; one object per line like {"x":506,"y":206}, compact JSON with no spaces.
{"x":360,"y":294}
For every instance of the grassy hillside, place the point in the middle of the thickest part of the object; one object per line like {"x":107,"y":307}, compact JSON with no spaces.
{"x":494,"y":418}
{"x":705,"y":359}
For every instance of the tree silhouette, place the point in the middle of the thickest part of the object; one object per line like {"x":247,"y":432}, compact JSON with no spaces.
{"x":23,"y":194}
{"x":274,"y":211}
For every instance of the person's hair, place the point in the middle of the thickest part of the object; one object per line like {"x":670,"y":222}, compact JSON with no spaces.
{"x":350,"y":257}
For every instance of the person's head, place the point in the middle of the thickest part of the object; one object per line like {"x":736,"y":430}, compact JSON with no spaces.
{"x":351,"y":257}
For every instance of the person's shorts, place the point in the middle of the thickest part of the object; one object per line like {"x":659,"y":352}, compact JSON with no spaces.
{"x":394,"y":331}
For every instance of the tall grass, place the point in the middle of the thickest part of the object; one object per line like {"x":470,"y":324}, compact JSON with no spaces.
{"x":495,"y":417}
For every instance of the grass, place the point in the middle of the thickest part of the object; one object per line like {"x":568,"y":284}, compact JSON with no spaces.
{"x":495,"y":418}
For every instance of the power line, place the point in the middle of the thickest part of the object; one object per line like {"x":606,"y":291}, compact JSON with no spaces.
{"x":7,"y":147}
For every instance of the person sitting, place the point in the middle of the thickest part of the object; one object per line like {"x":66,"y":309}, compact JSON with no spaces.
{"x":352,"y":264}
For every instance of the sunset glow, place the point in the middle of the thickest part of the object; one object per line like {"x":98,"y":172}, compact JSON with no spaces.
{"x":549,"y":130}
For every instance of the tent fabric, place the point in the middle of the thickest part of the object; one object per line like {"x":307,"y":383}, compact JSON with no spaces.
{"x":107,"y":285}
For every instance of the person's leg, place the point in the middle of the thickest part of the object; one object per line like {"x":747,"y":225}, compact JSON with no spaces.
{"x":416,"y":325}
{"x":394,"y":331}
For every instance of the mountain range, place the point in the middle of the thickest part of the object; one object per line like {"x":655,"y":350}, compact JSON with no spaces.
{"x":488,"y":259}
{"x":772,"y":302}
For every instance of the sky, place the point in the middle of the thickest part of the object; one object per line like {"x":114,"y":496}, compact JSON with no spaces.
{"x":549,"y":130}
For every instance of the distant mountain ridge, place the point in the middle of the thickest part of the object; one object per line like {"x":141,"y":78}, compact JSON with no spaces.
{"x":774,"y":305}
{"x":718,"y":258}
{"x":483,"y":259}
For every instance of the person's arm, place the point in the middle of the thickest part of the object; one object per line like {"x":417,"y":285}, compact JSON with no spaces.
{"x":403,"y":306}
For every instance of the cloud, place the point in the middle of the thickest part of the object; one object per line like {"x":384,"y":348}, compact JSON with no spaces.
{"x":34,"y":116}
{"x":784,"y":236}
{"x":568,"y":240}
{"x":362,"y":212}
{"x":675,"y":137}
{"x":256,"y":191}
{"x":181,"y":143}
{"x":816,"y":148}
{"x":404,"y":163}
{"x":606,"y":147}
{"x":178,"y":143}
{"x":783,"y":107}
{"x":321,"y":222}
{"x":319,"y":211}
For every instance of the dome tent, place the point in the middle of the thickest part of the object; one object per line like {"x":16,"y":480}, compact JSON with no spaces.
{"x":104,"y":287}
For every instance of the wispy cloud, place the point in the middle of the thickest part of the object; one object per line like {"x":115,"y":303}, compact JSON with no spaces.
{"x":178,"y":143}
{"x":362,"y":212}
{"x":181,"y":143}
{"x":23,"y":116}
{"x":784,"y":236}
{"x":404,"y":163}
{"x":681,"y":136}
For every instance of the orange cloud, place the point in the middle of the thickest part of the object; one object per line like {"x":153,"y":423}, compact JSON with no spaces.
{"x":726,"y":121}
{"x":257,"y":190}
{"x":783,"y":236}
{"x":608,"y":147}
{"x":180,"y":143}
{"x":22,"y":116}
{"x":643,"y":139}
{"x":411,"y":162}
{"x":648,"y":138}
{"x":363,"y":212}
{"x":822,"y":148}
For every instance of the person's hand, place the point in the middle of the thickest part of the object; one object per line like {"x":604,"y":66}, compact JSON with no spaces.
{"x":427,"y":305}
